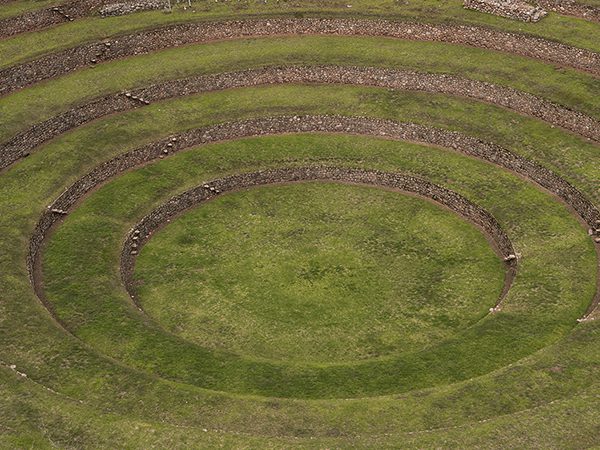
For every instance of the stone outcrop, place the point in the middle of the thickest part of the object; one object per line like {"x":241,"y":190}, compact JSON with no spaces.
{"x":124,"y":8}
{"x":512,"y":9}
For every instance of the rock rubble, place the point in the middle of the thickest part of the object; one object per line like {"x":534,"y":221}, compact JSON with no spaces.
{"x":512,"y":9}
{"x":124,"y":8}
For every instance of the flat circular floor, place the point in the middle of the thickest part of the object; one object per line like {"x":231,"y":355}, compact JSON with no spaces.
{"x":317,"y":272}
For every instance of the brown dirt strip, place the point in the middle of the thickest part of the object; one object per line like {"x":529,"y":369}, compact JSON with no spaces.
{"x":57,"y":64}
{"x":449,"y":199}
{"x":303,"y":124}
{"x":25,"y":142}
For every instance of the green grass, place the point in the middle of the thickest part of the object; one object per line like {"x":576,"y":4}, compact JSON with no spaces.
{"x":524,"y":378}
{"x":318,"y":272}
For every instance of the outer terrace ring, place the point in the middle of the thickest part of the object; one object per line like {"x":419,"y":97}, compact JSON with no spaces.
{"x":25,"y":74}
{"x":297,"y":119}
{"x":23,"y":143}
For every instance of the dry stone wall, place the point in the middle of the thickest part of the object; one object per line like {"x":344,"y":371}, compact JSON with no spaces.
{"x":46,"y":17}
{"x":71,"y":10}
{"x":571,"y":8}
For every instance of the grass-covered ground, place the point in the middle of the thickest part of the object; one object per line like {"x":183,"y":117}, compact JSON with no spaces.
{"x":314,"y":315}
{"x":318,"y":273}
{"x":565,"y":86}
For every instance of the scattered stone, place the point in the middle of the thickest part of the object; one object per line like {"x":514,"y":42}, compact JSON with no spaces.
{"x":121,"y":9}
{"x":512,"y":9}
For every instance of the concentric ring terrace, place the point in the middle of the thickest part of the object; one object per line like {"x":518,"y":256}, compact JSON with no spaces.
{"x":299,"y":224}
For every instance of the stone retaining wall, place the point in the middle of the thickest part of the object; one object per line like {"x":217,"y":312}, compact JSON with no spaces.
{"x":525,"y":103}
{"x":71,"y":10}
{"x":68,"y":11}
{"x":57,"y":64}
{"x":571,"y":8}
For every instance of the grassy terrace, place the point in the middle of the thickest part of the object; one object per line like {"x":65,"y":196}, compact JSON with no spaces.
{"x":308,"y":315}
{"x":566,"y":87}
{"x":569,"y":155}
{"x":569,"y":30}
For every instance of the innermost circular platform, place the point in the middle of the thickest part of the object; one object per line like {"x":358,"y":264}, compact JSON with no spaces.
{"x":317,"y":272}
